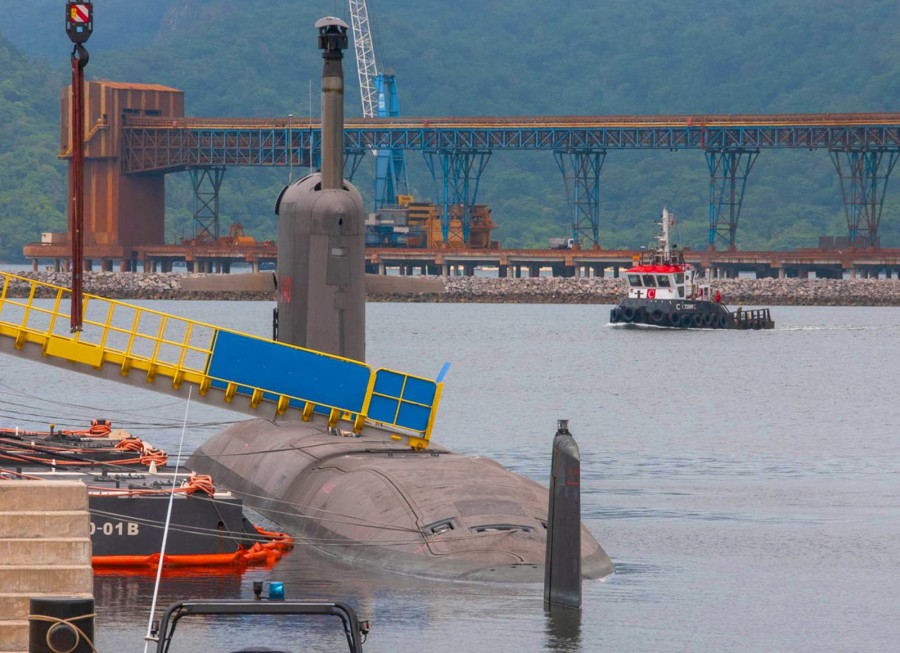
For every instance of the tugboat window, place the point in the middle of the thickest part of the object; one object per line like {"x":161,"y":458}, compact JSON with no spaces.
{"x":679,"y":278}
{"x":662,"y":280}
{"x":649,"y":281}
{"x":634,"y":279}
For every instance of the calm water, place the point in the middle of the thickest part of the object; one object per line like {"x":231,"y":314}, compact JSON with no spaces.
{"x":746,"y":485}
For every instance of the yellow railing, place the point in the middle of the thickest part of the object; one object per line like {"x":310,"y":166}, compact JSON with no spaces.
{"x":188,"y":351}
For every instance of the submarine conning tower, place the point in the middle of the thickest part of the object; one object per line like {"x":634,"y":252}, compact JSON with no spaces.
{"x":321,"y":232}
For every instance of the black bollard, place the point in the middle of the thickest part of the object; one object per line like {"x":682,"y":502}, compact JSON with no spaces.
{"x":61,"y":625}
{"x":562,"y":569}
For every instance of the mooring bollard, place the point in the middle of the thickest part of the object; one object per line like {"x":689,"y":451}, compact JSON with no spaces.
{"x":61,"y":625}
{"x":562,"y":569}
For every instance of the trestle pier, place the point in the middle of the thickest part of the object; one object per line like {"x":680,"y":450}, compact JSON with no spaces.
{"x":829,"y":264}
{"x":802,"y":263}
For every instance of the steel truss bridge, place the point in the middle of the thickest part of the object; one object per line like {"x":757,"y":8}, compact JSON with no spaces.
{"x":864,"y":147}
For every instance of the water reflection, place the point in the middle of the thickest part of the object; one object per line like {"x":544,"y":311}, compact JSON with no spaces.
{"x":563,"y":628}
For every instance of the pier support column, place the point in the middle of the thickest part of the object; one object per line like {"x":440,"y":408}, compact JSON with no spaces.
{"x":34,"y":265}
{"x":864,"y":175}
{"x":728,"y":171}
{"x":206,"y":182}
{"x":445,"y":269}
{"x":503,"y":272}
{"x":581,"y":173}
{"x":456,"y":174}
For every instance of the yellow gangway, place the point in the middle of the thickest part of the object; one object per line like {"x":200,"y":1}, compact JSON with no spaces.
{"x":139,"y":346}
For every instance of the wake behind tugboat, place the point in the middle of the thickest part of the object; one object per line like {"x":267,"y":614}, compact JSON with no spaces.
{"x":665,"y":291}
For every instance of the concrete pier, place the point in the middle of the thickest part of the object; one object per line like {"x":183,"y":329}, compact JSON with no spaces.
{"x":45,"y":550}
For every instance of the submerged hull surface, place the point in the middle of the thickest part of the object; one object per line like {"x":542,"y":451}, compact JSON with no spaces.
{"x":376,"y":502}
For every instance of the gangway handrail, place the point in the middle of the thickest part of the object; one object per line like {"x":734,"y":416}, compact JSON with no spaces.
{"x":288,"y":378}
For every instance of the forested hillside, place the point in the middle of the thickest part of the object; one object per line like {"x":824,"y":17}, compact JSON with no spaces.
{"x":570,"y":57}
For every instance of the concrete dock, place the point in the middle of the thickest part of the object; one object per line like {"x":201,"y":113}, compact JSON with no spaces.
{"x":45,"y":550}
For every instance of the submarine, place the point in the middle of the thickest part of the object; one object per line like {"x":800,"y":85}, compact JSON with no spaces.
{"x":371,"y":497}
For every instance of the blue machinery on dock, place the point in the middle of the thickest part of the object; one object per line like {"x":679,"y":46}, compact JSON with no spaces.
{"x":165,"y":353}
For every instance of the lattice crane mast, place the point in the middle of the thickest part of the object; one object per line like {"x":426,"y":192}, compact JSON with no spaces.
{"x":379,"y":99}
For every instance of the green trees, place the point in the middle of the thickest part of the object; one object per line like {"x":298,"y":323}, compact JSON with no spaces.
{"x":573,"y":57}
{"x":32,"y":181}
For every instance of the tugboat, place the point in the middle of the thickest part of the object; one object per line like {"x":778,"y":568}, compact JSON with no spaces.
{"x":665,"y":291}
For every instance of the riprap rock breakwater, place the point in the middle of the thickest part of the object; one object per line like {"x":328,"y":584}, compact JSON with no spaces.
{"x":538,"y":290}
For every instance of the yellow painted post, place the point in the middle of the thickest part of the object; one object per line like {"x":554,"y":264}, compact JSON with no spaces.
{"x":159,"y":337}
{"x":185,"y":344}
{"x":53,"y":315}
{"x":107,"y":325}
{"x":437,"y":400}
{"x":283,"y":402}
{"x":134,"y":327}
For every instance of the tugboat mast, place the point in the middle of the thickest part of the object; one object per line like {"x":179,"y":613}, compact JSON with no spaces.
{"x":665,"y":234}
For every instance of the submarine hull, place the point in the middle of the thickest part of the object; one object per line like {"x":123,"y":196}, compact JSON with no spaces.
{"x":376,"y":502}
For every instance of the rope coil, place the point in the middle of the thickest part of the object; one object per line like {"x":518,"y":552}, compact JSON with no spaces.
{"x":58,"y":622}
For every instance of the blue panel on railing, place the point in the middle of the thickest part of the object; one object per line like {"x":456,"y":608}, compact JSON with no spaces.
{"x":420,"y":391}
{"x":402,"y":400}
{"x":278,"y":368}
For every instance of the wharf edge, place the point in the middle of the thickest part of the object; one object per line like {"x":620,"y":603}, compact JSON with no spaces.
{"x":526,"y":290}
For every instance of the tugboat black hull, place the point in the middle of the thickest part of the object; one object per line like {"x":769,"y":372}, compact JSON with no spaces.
{"x":687,"y":314}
